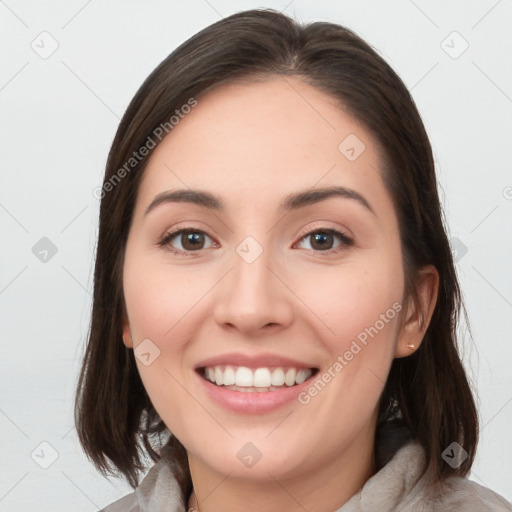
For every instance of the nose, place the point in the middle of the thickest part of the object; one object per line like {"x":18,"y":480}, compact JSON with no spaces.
{"x":253,"y":297}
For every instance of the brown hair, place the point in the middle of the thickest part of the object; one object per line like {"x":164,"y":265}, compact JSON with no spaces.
{"x":114,"y":416}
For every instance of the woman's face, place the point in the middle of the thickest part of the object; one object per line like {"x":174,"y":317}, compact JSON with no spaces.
{"x":262,"y":289}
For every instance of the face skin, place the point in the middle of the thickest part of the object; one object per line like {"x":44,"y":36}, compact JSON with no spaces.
{"x":252,"y":145}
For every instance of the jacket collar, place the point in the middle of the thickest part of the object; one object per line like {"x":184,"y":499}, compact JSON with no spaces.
{"x":400,"y":461}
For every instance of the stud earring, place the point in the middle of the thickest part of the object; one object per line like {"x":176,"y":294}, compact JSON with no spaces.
{"x":410,"y":346}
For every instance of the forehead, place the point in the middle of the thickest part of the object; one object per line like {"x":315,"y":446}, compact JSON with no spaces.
{"x":262,"y":140}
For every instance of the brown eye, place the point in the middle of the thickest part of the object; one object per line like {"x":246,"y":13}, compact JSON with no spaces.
{"x":185,"y":241}
{"x":325,"y":240}
{"x":192,"y":240}
{"x":322,"y":241}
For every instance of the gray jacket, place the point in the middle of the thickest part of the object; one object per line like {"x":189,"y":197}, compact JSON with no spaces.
{"x":391,"y":489}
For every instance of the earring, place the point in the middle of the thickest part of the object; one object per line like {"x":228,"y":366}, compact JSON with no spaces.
{"x":410,"y":346}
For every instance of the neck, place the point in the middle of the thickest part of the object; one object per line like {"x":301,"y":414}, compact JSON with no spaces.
{"x":326,"y":488}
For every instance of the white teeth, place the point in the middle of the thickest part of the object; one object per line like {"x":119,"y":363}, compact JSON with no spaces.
{"x":218,"y":376}
{"x":262,"y":378}
{"x":278,"y":377}
{"x":229,"y":376}
{"x":289,"y":378}
{"x":242,"y":378}
{"x":302,"y":375}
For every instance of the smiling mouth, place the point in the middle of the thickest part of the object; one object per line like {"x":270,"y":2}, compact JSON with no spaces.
{"x":255,"y":380}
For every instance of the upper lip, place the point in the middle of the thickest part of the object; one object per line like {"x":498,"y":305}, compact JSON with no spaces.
{"x":252,"y":361}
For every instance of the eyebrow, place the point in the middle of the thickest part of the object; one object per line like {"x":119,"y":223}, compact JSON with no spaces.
{"x":291,"y":202}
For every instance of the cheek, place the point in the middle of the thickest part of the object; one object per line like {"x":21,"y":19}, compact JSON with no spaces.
{"x":158,"y":315}
{"x":353,"y":299}
{"x":162,"y":303}
{"x":360,"y":307}
{"x":159,"y":298}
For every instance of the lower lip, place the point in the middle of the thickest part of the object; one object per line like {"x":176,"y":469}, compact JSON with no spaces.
{"x":255,"y":402}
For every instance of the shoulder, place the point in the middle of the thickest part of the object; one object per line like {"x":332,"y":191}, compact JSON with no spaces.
{"x":128,"y":503}
{"x":402,"y":485}
{"x":457,"y":493}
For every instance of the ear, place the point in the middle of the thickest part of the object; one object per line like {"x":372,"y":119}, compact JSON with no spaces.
{"x":127,"y":335}
{"x":418,"y":312}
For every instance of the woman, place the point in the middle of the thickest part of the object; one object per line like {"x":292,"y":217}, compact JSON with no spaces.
{"x":275,"y":300}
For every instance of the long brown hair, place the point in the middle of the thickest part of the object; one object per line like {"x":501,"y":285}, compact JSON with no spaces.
{"x":116,"y":422}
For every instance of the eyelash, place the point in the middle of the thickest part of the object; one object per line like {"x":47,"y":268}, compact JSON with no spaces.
{"x":166,"y":239}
